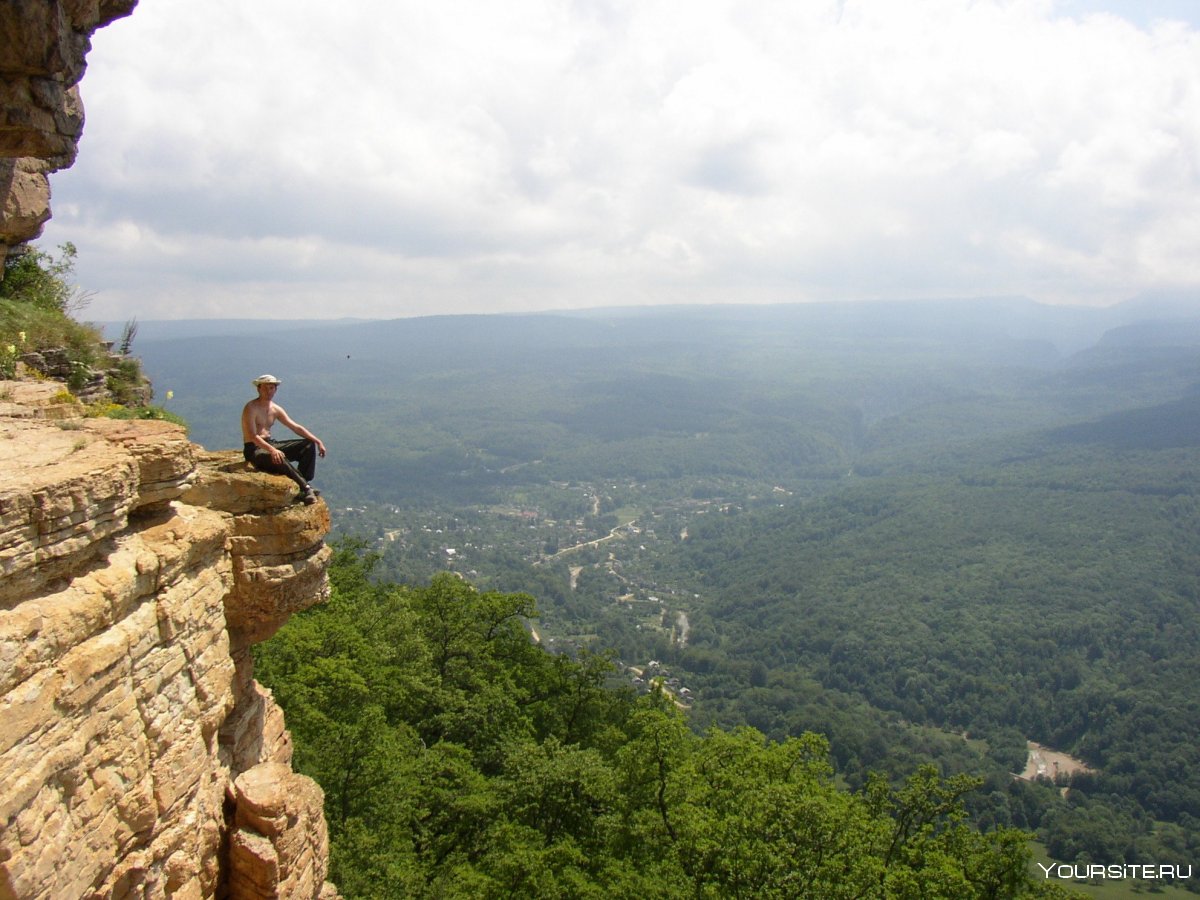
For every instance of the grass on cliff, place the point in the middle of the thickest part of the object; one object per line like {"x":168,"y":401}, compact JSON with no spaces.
{"x":38,"y":302}
{"x":117,"y":411}
{"x":25,"y":328}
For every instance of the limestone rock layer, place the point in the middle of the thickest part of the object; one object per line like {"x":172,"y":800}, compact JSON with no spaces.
{"x":139,"y":756}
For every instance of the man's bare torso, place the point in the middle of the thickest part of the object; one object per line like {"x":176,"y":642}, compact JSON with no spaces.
{"x":257,"y":419}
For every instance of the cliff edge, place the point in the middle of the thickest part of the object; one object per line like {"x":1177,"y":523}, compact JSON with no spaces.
{"x":140,"y":757}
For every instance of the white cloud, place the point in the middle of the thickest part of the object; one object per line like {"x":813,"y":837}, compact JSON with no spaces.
{"x":403,"y":158}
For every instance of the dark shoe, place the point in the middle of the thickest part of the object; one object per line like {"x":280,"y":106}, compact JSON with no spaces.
{"x":307,"y":496}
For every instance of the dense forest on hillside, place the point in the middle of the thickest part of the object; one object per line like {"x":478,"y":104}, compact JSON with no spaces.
{"x":929,"y":532}
{"x":1055,"y":594}
{"x":460,"y":759}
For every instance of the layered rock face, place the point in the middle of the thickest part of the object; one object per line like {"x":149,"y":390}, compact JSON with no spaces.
{"x":139,"y":756}
{"x":43,"y":49}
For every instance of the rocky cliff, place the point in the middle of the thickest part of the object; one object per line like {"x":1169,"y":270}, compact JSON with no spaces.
{"x":139,"y":756}
{"x":43,"y":51}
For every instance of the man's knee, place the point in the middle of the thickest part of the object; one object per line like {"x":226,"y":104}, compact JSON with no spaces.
{"x":307,"y":461}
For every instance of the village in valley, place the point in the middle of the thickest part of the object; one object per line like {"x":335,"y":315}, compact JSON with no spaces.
{"x":598,"y":546}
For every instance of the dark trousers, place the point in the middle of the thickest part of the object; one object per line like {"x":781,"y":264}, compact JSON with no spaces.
{"x":301,"y":451}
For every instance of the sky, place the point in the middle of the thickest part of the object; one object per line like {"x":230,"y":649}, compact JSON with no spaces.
{"x":300,"y":159}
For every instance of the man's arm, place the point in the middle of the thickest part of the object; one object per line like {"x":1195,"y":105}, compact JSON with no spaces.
{"x":284,"y":419}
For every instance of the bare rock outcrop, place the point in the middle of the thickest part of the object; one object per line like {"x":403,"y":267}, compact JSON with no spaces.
{"x":140,"y":757}
{"x":43,"y":51}
{"x":279,"y":559}
{"x":269,"y":857}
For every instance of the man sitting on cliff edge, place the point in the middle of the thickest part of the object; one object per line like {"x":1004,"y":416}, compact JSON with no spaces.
{"x":275,"y":457}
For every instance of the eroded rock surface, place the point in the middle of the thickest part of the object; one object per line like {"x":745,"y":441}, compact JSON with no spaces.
{"x":43,"y":55}
{"x":139,"y":755}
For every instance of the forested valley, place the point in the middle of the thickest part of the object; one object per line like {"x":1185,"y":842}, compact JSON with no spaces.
{"x":803,"y":576}
{"x":461,"y":759}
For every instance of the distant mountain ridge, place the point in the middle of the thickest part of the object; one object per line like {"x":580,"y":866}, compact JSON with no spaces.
{"x":506,"y":389}
{"x":1070,"y":327}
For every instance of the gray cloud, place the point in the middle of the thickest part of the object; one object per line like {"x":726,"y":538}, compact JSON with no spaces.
{"x":399,"y":159}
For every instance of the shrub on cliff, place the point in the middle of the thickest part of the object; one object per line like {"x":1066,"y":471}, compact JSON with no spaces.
{"x":43,"y":281}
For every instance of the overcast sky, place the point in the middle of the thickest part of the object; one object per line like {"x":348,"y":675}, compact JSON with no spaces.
{"x":296,"y":159}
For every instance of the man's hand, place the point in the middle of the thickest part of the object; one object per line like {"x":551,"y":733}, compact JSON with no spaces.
{"x":320,"y":449}
{"x":277,"y":456}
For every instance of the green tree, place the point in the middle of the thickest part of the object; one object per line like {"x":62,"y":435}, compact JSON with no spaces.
{"x":43,"y":281}
{"x":459,"y":759}
{"x":36,"y":302}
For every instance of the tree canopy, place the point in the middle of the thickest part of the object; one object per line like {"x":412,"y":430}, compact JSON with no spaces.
{"x":459,"y":758}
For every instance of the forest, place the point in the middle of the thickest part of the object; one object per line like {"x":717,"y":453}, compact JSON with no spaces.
{"x":459,"y":758}
{"x":929,"y":533}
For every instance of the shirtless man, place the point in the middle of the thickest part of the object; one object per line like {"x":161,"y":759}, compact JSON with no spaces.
{"x":271,"y":456}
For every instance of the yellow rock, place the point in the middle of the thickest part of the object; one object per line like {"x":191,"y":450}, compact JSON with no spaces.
{"x":135,"y":571}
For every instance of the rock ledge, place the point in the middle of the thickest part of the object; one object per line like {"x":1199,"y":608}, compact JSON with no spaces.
{"x":140,"y":756}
